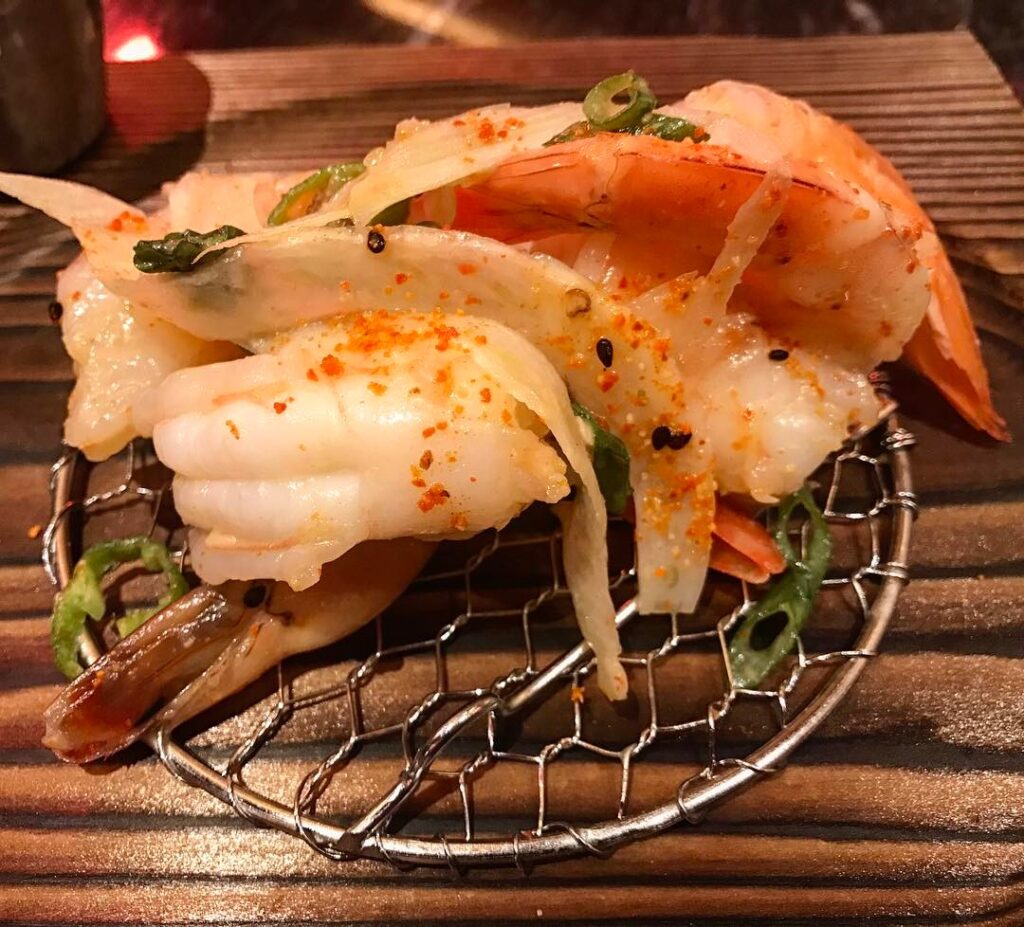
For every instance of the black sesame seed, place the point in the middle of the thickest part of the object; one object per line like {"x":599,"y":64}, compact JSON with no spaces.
{"x":376,"y":242}
{"x":679,"y":439}
{"x":778,"y":354}
{"x":605,"y":352}
{"x":56,"y":311}
{"x":255,"y":596}
{"x":660,"y":437}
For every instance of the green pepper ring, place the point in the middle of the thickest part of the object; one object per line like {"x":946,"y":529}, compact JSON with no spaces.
{"x":83,"y":595}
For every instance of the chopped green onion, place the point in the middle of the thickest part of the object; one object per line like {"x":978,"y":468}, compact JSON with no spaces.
{"x":753,"y":657}
{"x":611,"y":463}
{"x":178,"y":250}
{"x":83,"y":595}
{"x":618,"y":102}
{"x":581,"y":129}
{"x":606,"y":111}
{"x":671,"y":128}
{"x":308,"y":195}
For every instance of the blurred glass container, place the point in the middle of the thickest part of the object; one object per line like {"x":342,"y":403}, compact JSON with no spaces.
{"x":51,"y":82}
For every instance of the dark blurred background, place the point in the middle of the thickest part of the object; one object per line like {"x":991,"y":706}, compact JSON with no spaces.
{"x":138,"y":29}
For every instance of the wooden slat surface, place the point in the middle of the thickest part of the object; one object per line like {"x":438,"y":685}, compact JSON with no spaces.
{"x":908,"y":806}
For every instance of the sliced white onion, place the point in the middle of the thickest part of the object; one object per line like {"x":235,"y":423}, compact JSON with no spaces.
{"x":530,"y":378}
{"x":67,"y":202}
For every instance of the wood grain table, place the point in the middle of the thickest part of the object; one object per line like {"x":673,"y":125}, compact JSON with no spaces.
{"x":906,"y":807}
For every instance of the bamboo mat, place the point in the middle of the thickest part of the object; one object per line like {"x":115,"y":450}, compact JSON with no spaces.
{"x":907,"y":807}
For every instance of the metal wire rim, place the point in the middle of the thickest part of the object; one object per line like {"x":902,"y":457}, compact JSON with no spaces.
{"x":694,"y":797}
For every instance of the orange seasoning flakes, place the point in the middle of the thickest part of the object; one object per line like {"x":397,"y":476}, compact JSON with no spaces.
{"x":606,"y":379}
{"x":486,"y":132}
{"x":885,"y":328}
{"x":485,"y":394}
{"x":445,"y":334}
{"x":279,"y":407}
{"x":426,"y":459}
{"x":458,"y":521}
{"x":480,"y":339}
{"x":233,"y":428}
{"x":506,"y":416}
{"x":311,"y":375}
{"x":428,"y":431}
{"x":331,"y":366}
{"x":473,"y":301}
{"x":400,"y":278}
{"x":434,"y":496}
{"x":126,"y":221}
{"x":378,"y":389}
{"x":440,"y":426}
{"x":466,"y":269}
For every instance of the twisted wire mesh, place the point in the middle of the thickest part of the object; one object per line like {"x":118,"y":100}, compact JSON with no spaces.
{"x":454,"y":735}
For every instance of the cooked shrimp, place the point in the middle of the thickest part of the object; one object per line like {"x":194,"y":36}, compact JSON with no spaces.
{"x":771,"y":412}
{"x":837,"y":270}
{"x":213,"y":642}
{"x":281,"y":280}
{"x":381,"y":425}
{"x":945,"y":346}
{"x":120,"y":350}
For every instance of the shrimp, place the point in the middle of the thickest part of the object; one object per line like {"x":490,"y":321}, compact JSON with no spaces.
{"x":945,"y":346}
{"x":279,"y":281}
{"x":120,"y":350}
{"x":838,"y":270}
{"x":383,"y":425}
{"x":771,"y":412}
{"x":215,"y":641}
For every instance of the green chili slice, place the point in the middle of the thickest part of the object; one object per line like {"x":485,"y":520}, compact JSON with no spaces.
{"x":624,"y":103}
{"x":308,"y":195}
{"x":751,"y":656}
{"x":611,"y":463}
{"x":177,"y":252}
{"x":618,"y":102}
{"x":83,"y":595}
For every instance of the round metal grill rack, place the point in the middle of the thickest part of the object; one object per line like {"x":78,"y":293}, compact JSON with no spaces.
{"x":444,"y":732}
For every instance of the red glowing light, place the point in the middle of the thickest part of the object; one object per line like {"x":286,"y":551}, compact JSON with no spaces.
{"x":139,"y":47}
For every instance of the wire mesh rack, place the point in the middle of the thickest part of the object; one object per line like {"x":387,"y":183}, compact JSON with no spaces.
{"x":489,"y":697}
